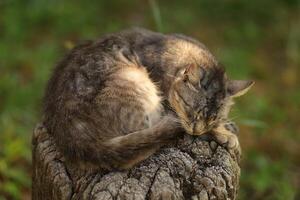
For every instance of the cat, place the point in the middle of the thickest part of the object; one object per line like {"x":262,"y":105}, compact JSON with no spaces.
{"x":113,"y":102}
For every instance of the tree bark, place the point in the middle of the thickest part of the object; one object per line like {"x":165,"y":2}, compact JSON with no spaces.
{"x":192,"y":169}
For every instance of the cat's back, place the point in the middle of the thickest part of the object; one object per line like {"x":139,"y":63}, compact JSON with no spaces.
{"x":103,"y":76}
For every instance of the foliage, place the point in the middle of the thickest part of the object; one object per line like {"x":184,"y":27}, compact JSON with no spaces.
{"x":253,"y":39}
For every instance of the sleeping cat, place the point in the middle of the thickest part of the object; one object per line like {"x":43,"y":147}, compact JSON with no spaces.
{"x":113,"y":102}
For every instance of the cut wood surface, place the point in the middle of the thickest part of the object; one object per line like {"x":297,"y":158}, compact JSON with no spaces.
{"x":192,"y":169}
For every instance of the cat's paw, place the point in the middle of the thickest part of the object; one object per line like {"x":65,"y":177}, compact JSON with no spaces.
{"x":231,"y":127}
{"x":226,"y":135}
{"x":229,"y":140}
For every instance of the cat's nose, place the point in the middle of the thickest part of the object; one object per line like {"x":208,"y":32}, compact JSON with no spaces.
{"x":199,"y":128}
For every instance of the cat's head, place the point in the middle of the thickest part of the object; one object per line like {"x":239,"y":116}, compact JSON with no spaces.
{"x":202,"y":96}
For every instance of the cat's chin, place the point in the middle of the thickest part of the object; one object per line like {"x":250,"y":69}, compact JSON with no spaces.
{"x":196,"y":132}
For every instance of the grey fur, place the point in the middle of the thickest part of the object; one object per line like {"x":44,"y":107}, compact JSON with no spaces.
{"x":97,"y":117}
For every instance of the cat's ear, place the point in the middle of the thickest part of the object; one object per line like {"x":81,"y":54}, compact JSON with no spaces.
{"x":190,"y":69}
{"x":192,"y":72}
{"x":236,"y":88}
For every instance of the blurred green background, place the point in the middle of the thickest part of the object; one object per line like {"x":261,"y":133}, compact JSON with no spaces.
{"x":255,"y":39}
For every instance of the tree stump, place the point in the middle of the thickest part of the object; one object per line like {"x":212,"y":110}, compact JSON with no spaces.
{"x":192,"y":169}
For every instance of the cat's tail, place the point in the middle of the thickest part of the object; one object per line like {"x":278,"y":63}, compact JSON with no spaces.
{"x":78,"y":140}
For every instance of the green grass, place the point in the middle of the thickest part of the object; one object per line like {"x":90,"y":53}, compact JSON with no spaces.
{"x":254,"y":39}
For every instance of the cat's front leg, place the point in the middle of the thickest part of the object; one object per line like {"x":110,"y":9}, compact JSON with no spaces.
{"x":226,"y":134}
